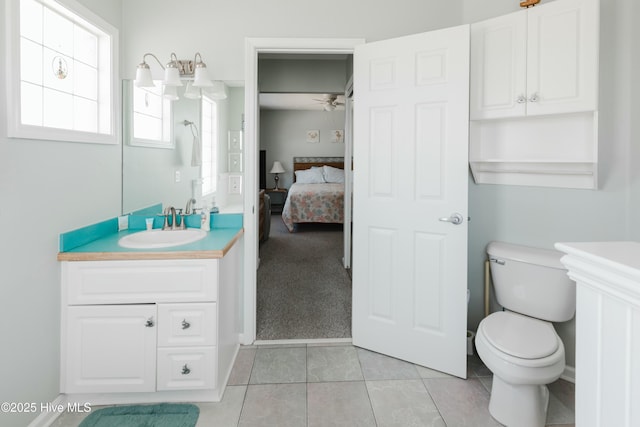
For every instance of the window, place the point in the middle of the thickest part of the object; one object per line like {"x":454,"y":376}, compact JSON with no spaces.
{"x":62,"y":78}
{"x":209,"y":146}
{"x":151,"y":118}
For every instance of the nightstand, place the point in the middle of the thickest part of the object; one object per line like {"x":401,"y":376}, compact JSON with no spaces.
{"x":278,"y":197}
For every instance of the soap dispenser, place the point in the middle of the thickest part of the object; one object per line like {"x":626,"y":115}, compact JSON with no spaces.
{"x":205,"y":219}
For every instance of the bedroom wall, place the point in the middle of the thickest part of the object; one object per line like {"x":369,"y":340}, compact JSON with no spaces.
{"x":283,"y":135}
{"x":539,"y":216}
{"x":283,"y":132}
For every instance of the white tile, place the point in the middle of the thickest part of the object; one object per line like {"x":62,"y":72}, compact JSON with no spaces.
{"x":403,"y":403}
{"x":339,"y":404}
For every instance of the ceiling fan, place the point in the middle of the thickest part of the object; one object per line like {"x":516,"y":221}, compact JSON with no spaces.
{"x":330,"y":101}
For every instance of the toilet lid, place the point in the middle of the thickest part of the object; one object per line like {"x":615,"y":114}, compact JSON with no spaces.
{"x":520,"y":336}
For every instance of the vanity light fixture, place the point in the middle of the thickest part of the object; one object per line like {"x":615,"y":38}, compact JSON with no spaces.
{"x":173,"y":71}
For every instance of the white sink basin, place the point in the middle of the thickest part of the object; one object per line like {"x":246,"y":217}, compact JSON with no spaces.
{"x":161,"y":238}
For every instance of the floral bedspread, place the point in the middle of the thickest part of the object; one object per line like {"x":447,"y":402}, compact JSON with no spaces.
{"x":314,"y":203}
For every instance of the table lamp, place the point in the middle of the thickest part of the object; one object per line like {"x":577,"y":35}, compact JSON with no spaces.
{"x":276,"y":169}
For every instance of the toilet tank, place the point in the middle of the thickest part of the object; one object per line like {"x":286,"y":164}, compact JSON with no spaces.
{"x":532,"y":281}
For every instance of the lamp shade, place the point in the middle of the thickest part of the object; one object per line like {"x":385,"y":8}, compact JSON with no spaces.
{"x":172,"y":76}
{"x":170,"y":93}
{"x":201,"y":79}
{"x":277,"y":167}
{"x":218,"y":91}
{"x":192,"y":92}
{"x":143,"y":76}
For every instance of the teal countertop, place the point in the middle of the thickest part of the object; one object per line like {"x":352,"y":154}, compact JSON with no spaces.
{"x":100,"y":241}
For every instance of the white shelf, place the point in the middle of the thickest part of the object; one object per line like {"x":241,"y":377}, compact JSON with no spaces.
{"x":547,"y":151}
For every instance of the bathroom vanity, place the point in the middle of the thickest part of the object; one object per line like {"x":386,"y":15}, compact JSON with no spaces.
{"x":607,"y":275}
{"x":150,"y":325}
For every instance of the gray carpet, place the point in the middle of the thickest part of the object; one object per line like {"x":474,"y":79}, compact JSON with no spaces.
{"x":304,"y":292}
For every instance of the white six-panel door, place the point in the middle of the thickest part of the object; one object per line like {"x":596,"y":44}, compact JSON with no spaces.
{"x":410,"y":176}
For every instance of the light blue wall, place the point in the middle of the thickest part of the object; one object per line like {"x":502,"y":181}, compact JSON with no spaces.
{"x":46,"y":188}
{"x":539,"y":216}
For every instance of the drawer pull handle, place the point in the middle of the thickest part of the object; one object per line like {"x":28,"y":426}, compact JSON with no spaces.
{"x":150,"y":323}
{"x":186,"y":370}
{"x":185,"y":324}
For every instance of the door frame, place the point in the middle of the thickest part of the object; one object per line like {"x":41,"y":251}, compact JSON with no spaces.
{"x":253,"y":47}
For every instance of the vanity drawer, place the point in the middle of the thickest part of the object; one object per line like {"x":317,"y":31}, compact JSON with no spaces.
{"x":140,"y":281}
{"x":186,"y":368}
{"x":187,"y":324}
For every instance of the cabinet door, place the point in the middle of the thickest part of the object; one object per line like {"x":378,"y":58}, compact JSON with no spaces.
{"x":110,"y":348}
{"x":562,"y":57}
{"x":498,"y":67}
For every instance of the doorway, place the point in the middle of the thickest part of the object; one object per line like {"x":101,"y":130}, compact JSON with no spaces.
{"x":252,"y":125}
{"x":411,"y":155}
{"x":303,"y":291}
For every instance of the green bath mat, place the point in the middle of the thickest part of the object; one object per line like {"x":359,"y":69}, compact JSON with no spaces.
{"x":162,"y":415}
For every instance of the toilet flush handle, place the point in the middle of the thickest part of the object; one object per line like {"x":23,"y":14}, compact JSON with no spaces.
{"x":497,"y":261}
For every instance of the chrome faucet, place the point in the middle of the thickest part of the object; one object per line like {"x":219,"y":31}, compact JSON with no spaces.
{"x":190,"y":203}
{"x":170,"y":210}
{"x":167,"y":212}
{"x":174,"y":219}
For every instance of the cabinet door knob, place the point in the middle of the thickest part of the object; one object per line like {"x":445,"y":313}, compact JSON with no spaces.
{"x":186,"y":370}
{"x":150,"y":323}
{"x":185,"y":324}
{"x":521,"y":99}
{"x":534,"y":97}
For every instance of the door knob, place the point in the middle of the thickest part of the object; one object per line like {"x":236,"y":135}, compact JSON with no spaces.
{"x":455,"y":219}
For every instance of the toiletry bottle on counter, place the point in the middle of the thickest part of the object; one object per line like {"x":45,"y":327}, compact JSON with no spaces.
{"x":205,"y":219}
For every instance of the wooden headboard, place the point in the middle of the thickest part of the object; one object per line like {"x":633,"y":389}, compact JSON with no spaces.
{"x":302,"y":163}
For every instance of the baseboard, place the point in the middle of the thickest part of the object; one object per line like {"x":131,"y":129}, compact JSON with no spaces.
{"x":569,"y":374}
{"x":319,"y":341}
{"x":47,"y":418}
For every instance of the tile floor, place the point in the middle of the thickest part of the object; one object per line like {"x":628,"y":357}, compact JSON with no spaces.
{"x":342,"y":385}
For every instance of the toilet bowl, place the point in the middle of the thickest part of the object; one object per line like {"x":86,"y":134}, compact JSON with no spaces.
{"x":520,"y":345}
{"x":519,"y":396}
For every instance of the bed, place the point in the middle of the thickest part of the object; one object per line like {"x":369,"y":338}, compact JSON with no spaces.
{"x":317,"y":194}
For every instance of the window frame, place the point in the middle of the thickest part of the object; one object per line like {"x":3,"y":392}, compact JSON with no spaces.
{"x":109,"y":53}
{"x":215,"y":149}
{"x":167,"y":119}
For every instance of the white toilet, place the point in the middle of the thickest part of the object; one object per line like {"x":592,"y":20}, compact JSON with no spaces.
{"x":519,"y":345}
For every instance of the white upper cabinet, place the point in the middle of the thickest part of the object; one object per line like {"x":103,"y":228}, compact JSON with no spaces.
{"x":499,"y":67}
{"x":541,"y":60}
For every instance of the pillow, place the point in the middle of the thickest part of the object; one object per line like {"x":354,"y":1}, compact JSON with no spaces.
{"x":310,"y":176}
{"x":332,"y":174}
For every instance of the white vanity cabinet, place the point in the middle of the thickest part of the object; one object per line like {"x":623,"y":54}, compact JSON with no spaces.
{"x":149,"y":330}
{"x":541,"y":60}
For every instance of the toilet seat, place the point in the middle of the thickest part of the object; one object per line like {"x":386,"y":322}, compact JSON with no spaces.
{"x":520,"y":336}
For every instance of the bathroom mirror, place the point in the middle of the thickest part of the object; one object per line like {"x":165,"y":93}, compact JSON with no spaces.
{"x":163,"y":174}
